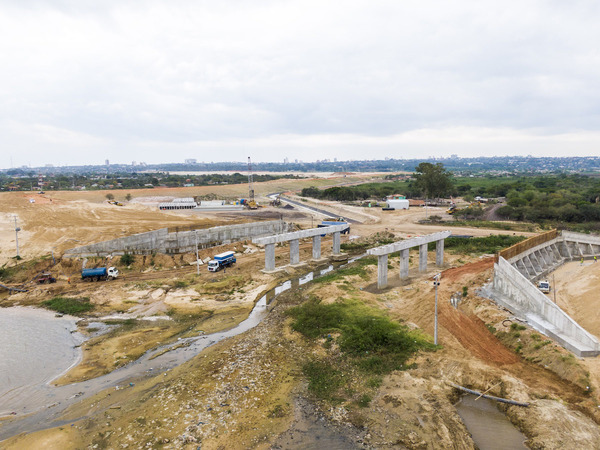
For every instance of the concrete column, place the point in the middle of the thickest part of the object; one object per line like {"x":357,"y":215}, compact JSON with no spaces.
{"x":404,"y":260}
{"x":539,"y":257}
{"x":534,"y":267}
{"x":270,"y":257}
{"x":439,"y":253}
{"x":336,"y":243}
{"x":316,"y":247}
{"x":549,"y":255}
{"x":382,"y":270}
{"x":566,"y":250}
{"x":294,"y":252}
{"x":423,"y":258}
{"x":556,"y":252}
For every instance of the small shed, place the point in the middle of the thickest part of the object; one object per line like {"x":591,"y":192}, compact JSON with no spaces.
{"x":397,"y":202}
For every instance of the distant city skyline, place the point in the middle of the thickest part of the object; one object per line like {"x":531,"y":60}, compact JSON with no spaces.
{"x":305,"y":80}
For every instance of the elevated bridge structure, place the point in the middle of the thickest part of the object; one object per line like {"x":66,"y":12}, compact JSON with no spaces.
{"x":294,"y":240}
{"x":404,"y":247}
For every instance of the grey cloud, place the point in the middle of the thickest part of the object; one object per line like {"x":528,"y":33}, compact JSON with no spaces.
{"x":185,"y":74}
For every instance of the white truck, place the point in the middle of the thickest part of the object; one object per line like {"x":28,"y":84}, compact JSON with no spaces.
{"x":544,"y":286}
{"x":221,"y":261}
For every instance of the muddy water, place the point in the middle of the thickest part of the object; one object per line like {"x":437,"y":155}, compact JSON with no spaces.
{"x":489,"y":427}
{"x":46,"y":402}
{"x":36,"y":347}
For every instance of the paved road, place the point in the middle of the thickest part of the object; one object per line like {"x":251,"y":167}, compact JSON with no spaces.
{"x":312,"y":208}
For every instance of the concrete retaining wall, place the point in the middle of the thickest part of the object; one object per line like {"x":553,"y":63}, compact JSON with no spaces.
{"x":536,"y":261}
{"x":515,"y":292}
{"x":161,"y":241}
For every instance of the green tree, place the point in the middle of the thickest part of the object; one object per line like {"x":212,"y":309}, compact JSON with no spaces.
{"x":109,"y":196}
{"x":433,"y":180}
{"x":128,"y":197}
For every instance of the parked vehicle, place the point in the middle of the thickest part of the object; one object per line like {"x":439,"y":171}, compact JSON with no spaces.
{"x":544,"y":286}
{"x":46,"y":278}
{"x":221,"y":261}
{"x":100,"y":273}
{"x":330,"y":223}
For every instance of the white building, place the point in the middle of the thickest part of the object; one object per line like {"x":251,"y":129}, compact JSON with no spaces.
{"x":397,"y":202}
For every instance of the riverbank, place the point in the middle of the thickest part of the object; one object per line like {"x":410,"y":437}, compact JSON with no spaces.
{"x":243,"y":392}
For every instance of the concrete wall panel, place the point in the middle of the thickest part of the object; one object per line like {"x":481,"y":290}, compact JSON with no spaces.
{"x":162,"y":241}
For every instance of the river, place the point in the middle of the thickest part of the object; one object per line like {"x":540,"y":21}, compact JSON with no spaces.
{"x":34,"y":395}
{"x":38,"y":347}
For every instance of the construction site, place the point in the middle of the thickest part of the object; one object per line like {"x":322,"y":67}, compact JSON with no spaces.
{"x":173,"y":355}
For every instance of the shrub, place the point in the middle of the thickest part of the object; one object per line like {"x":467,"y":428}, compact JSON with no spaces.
{"x":127,"y":259}
{"x":375,"y":343}
{"x":68,"y":305}
{"x":323,"y":379}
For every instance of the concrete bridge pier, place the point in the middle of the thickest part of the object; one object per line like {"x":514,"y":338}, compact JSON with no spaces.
{"x":423,"y":258}
{"x":382,"y":271}
{"x":269,"y":257}
{"x":294,"y":252}
{"x":404,"y":247}
{"x":404,"y":262}
{"x":336,"y":243}
{"x":316,"y":247}
{"x":439,"y":253}
{"x":294,"y":239}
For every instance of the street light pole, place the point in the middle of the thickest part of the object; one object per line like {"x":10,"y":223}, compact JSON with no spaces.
{"x":17,"y":229}
{"x":436,"y":283}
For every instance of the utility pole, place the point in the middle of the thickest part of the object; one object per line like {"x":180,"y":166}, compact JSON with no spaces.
{"x":197,"y":261}
{"x":436,"y":283}
{"x":17,"y":229}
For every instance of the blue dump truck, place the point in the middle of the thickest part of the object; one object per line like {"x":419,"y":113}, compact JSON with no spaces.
{"x":330,"y":223}
{"x":220,"y":261}
{"x":100,"y":273}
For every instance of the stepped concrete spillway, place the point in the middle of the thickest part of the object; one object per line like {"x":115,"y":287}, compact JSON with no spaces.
{"x":518,"y":268}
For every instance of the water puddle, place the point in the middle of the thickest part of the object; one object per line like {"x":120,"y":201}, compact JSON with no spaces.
{"x":311,"y":431}
{"x":44,"y":402}
{"x":489,"y":427}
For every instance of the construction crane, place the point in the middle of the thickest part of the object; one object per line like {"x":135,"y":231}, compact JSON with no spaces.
{"x":251,"y":202}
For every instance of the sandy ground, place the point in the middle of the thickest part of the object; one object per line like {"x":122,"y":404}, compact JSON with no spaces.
{"x":58,"y":220}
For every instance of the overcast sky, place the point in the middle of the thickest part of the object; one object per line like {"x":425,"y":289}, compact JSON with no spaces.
{"x":155,"y":81}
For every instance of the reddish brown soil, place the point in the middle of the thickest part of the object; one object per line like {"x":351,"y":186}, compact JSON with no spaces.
{"x":455,"y":273}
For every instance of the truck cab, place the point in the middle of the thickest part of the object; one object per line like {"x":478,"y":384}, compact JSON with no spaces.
{"x":213,"y":266}
{"x":112,"y":272}
{"x":544,"y":286}
{"x":221,"y":261}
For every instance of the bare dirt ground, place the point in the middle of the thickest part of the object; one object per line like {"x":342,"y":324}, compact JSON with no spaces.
{"x":244,"y":392}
